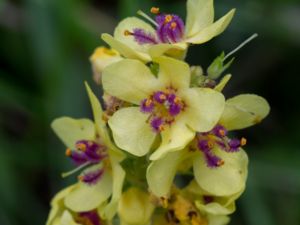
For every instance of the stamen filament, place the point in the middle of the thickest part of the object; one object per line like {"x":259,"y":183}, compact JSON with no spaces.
{"x":240,"y":46}
{"x":66,"y":174}
{"x":141,"y":13}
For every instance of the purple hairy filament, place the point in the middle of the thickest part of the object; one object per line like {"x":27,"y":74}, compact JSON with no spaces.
{"x":87,"y":151}
{"x":91,"y":177}
{"x":169,"y":29}
{"x":217,"y":137}
{"x":163,"y":108}
{"x":88,"y":218}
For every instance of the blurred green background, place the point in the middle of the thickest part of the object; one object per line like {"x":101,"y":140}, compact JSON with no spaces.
{"x":44,"y":59}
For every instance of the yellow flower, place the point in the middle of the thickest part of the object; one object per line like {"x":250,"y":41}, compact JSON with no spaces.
{"x":136,"y":39}
{"x":220,"y":164}
{"x":61,"y":215}
{"x":90,"y":148}
{"x":164,"y":105}
{"x":101,"y":58}
{"x":135,"y":207}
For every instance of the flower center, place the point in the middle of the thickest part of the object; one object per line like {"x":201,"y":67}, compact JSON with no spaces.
{"x":88,"y":218}
{"x":163,"y":107}
{"x":169,"y":29}
{"x":217,"y":137}
{"x":87,"y":153}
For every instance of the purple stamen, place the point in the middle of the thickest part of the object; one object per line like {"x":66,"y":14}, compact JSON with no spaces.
{"x":219,"y":131}
{"x":147,"y":106}
{"x":78,"y":158}
{"x":208,"y":199}
{"x":91,"y":177}
{"x":204,"y":146}
{"x":142,"y":37}
{"x":170,"y":28}
{"x":234,"y":145}
{"x":92,"y":217}
{"x":157,"y":124}
{"x":212,"y":160}
{"x":160,"y":97}
{"x":174,"y":109}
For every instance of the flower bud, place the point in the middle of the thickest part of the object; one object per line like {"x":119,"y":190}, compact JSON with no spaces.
{"x":101,"y":58}
{"x":217,"y":67}
{"x":135,"y":207}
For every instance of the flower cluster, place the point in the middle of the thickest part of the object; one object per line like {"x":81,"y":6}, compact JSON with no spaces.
{"x":160,"y":151}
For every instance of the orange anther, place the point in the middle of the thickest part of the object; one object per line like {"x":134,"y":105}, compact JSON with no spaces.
{"x":210,"y":144}
{"x":222,"y":132}
{"x":221,"y":162}
{"x":177,"y":100}
{"x":127,"y":33}
{"x":162,"y":97}
{"x":154,"y":10}
{"x":168,"y":18}
{"x":173,"y":25}
{"x":148,"y":102}
{"x":243,"y":141}
{"x":81,"y":147}
{"x":68,"y":152}
{"x":80,"y":177}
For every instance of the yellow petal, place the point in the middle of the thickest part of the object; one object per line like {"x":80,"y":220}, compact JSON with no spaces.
{"x":88,"y":197}
{"x":173,"y":72}
{"x":135,"y":207}
{"x":174,"y":138}
{"x":98,"y":114}
{"x":200,"y":14}
{"x":57,"y":204}
{"x":129,"y":24}
{"x":211,"y":31}
{"x":177,"y":50}
{"x":100,"y":124}
{"x":131,"y":132}
{"x":125,"y":50}
{"x":223,"y":83}
{"x":67,"y":219}
{"x":72,"y":130}
{"x":244,"y":111}
{"x":218,"y":220}
{"x":118,"y":178}
{"x":226,"y":180}
{"x":161,"y":173}
{"x":129,"y":80}
{"x":204,"y":108}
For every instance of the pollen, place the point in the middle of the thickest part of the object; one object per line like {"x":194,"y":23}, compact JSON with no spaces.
{"x":221,"y":162}
{"x":127,"y":33}
{"x":154,"y":10}
{"x":222,"y":132}
{"x":168,"y":18}
{"x":173,"y":25}
{"x":81,"y":147}
{"x":80,"y":178}
{"x":148,"y":102}
{"x":68,"y":152}
{"x":243,"y":141}
{"x":177,"y":100}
